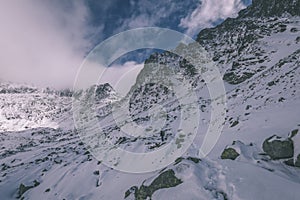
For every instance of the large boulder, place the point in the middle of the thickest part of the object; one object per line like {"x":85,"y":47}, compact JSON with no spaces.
{"x":279,"y":148}
{"x":229,"y":153}
{"x":166,"y":179}
{"x":297,"y":163}
{"x":292,"y":162}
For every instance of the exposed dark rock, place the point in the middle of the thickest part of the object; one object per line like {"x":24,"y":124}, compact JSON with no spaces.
{"x":96,"y":172}
{"x":23,"y":188}
{"x":194,"y":159}
{"x":166,"y":179}
{"x":272,"y":8}
{"x":234,"y":123}
{"x":279,"y":148}
{"x":292,"y":162}
{"x":294,"y":133}
{"x":297,"y":163}
{"x":232,"y":78}
{"x":229,"y":153}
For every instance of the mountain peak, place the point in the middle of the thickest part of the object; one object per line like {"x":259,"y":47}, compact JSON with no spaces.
{"x":272,"y":8}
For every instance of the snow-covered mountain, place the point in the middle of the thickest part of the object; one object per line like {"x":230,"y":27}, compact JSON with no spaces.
{"x":256,"y":157}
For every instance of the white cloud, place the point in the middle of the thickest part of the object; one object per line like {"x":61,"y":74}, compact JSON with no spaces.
{"x":147,"y":13}
{"x":208,"y":12}
{"x":138,"y":21}
{"x":120,"y":76}
{"x":141,"y":21}
{"x":43,"y":42}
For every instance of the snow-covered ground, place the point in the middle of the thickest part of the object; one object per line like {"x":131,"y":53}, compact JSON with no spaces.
{"x":43,"y":157}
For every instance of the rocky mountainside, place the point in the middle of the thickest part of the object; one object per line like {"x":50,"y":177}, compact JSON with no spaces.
{"x":256,"y":157}
{"x":26,"y":107}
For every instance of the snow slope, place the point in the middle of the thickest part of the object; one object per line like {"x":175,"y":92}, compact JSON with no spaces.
{"x":43,"y":157}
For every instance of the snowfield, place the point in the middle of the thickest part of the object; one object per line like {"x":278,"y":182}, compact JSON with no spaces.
{"x":256,"y":157}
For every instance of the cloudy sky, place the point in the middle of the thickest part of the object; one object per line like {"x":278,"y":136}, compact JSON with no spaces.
{"x":45,"y":42}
